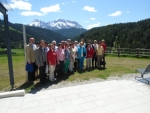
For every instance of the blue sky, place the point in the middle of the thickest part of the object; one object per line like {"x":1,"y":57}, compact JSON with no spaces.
{"x":88,"y":13}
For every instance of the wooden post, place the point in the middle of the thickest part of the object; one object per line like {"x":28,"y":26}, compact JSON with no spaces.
{"x":137,"y":53}
{"x":118,"y":52}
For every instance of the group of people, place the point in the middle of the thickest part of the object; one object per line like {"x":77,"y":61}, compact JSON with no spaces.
{"x":57,"y":60}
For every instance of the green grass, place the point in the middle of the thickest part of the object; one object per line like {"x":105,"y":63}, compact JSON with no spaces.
{"x":114,"y":66}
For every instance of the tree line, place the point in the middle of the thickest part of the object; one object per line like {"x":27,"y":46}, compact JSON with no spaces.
{"x":16,"y":35}
{"x":122,"y":35}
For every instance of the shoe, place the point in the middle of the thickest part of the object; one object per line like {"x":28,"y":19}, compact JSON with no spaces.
{"x":54,"y":79}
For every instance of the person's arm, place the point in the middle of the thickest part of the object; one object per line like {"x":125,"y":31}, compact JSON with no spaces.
{"x":28,"y":56}
{"x":57,"y":57}
{"x":102,"y":51}
{"x":37,"y":57}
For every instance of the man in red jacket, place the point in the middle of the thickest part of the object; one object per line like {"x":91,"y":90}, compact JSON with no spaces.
{"x":89,"y":55}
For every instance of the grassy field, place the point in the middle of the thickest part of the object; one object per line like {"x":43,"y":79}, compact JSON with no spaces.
{"x":115,"y":66}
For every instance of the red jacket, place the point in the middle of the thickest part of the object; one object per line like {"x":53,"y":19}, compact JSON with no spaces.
{"x":51,"y":57}
{"x":104,"y":46}
{"x":89,"y":53}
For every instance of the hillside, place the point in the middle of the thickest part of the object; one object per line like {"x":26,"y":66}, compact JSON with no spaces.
{"x":124,"y":35}
{"x":70,"y":33}
{"x":36,"y":32}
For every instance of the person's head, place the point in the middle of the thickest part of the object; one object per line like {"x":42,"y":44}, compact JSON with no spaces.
{"x":75,"y":42}
{"x":46,"y":44}
{"x":51,"y":46}
{"x":54,"y":42}
{"x":100,"y":43}
{"x":71,"y":45}
{"x":82,"y":40}
{"x":65,"y":42}
{"x":69,"y":41}
{"x":103,"y":41}
{"x":95,"y":41}
{"x":81,"y":44}
{"x":31,"y":40}
{"x":59,"y":46}
{"x":42,"y":43}
{"x":89,"y":45}
{"x":62,"y":42}
{"x":67,"y":46}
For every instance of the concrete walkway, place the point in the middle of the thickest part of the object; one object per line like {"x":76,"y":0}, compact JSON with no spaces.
{"x":116,"y":96}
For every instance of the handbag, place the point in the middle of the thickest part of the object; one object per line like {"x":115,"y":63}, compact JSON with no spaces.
{"x":29,"y":67}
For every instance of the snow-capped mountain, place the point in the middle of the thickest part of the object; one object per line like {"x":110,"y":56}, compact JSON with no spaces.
{"x":56,"y":24}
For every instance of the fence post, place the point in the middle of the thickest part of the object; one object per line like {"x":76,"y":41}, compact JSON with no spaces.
{"x":137,"y":52}
{"x":118,"y":52}
{"x":9,"y":54}
{"x":24,"y":43}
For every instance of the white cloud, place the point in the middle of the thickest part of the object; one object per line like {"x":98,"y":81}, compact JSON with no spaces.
{"x":65,"y":3}
{"x":20,"y":5}
{"x":93,"y":18}
{"x":93,"y":25}
{"x":31,"y":13}
{"x":117,"y":13}
{"x":128,"y":11}
{"x":90,"y":9}
{"x":52,"y":8}
{"x":87,"y":21}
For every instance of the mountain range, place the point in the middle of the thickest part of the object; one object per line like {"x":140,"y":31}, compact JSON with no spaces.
{"x":56,"y":24}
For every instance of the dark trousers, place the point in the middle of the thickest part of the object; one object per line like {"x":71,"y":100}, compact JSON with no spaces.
{"x":56,"y":71}
{"x":31,"y":75}
{"x":42,"y":73}
{"x":76,"y":63}
{"x":60,"y":69}
{"x":94,"y":59}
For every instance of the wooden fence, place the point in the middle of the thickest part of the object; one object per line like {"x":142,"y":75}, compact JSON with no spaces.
{"x":138,"y":52}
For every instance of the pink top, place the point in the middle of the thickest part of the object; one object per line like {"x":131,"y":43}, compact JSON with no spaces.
{"x":60,"y":54}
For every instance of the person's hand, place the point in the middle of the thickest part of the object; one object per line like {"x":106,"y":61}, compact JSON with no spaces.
{"x":39,"y":66}
{"x":58,"y":62}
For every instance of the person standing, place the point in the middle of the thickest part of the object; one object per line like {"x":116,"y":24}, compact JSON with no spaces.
{"x":60,"y":60}
{"x":81,"y":55}
{"x":52,"y":61}
{"x":73,"y":52}
{"x":99,"y":53}
{"x":104,"y":46}
{"x":94,"y":59}
{"x":67,"y":59}
{"x":30,"y":58}
{"x":41,"y":61}
{"x":76,"y":59}
{"x":89,"y":55}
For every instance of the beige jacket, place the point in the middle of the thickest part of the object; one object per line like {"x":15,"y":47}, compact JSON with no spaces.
{"x":30,"y":53}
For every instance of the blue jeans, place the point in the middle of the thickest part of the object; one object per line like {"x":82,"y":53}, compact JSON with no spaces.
{"x":81,"y":61}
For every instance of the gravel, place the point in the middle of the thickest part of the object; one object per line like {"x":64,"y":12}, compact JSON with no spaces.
{"x":61,"y":84}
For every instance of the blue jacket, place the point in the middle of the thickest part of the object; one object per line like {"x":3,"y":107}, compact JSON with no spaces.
{"x":79,"y":52}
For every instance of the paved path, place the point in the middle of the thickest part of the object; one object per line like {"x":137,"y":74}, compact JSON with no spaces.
{"x":116,"y":96}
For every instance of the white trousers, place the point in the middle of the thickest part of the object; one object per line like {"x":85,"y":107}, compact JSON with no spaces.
{"x":51,"y":72}
{"x":71,"y":65}
{"x":88,"y":62}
